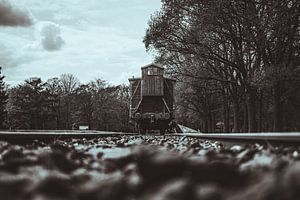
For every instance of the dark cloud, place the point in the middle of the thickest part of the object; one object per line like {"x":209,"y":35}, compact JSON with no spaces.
{"x":10,"y":16}
{"x":51,"y":39}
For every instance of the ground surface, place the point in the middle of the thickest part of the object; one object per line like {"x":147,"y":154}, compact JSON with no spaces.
{"x":147,"y":167}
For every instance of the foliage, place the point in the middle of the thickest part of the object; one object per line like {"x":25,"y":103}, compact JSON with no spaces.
{"x":240,"y":51}
{"x":64,"y":103}
{"x":3,"y":99}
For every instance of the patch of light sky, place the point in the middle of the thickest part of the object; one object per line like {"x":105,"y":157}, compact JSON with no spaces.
{"x":90,"y":39}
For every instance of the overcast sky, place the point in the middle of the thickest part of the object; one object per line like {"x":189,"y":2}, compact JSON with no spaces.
{"x":90,"y":39}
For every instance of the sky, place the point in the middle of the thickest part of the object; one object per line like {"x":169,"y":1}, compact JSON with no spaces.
{"x":90,"y":39}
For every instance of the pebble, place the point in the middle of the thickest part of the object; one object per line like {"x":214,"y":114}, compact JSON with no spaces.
{"x":174,"y":190}
{"x":260,"y":160}
{"x":147,"y":167}
{"x":236,"y":148}
{"x":208,"y":192}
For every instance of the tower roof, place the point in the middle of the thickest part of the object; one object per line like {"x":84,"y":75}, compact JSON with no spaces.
{"x":153,"y":65}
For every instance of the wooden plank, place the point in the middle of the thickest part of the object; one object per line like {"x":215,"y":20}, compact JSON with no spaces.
{"x":135,"y":88}
{"x":169,"y":92}
{"x":152,"y":86}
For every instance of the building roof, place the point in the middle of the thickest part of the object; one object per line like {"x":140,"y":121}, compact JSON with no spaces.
{"x":153,"y":65}
{"x":134,"y":79}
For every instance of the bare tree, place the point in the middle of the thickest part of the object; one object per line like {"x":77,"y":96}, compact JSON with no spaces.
{"x":233,"y":43}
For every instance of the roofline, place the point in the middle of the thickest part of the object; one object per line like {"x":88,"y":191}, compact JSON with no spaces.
{"x":153,"y":64}
{"x":133,"y":79}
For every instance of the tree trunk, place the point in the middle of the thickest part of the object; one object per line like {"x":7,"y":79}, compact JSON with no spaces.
{"x":205,"y":124}
{"x":210,"y":122}
{"x":236,"y":124}
{"x":252,"y":125}
{"x":213,"y":122}
{"x":58,"y":116}
{"x":260,"y":127}
{"x":277,"y":123}
{"x":226,"y":117}
{"x":67,"y":116}
{"x":245,"y":119}
{"x":1,"y":121}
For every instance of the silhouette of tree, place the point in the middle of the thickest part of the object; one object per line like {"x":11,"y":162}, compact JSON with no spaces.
{"x":3,"y":99}
{"x":243,"y":48}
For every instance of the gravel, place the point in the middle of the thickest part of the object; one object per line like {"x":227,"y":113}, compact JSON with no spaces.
{"x":148,"y":167}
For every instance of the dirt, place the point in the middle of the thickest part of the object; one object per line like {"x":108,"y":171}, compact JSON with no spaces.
{"x":148,"y":167}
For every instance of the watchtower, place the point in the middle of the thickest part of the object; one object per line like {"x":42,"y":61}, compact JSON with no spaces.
{"x":152,"y":80}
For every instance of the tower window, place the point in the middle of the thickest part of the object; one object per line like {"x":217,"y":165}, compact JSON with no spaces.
{"x":153,"y":71}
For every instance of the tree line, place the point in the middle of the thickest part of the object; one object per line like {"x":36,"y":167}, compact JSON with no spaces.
{"x":64,"y":103}
{"x":237,"y":62}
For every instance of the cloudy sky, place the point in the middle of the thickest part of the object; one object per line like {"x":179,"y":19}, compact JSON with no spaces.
{"x":90,"y":39}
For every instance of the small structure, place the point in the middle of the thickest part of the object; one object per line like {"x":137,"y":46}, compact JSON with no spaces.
{"x":81,"y":126}
{"x":152,"y":98}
